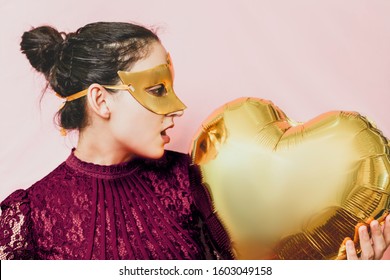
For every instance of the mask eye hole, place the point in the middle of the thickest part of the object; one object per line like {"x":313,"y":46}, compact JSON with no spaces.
{"x":157,"y":90}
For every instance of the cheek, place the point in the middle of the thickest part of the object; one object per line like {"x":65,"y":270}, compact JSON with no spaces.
{"x":139,"y":131}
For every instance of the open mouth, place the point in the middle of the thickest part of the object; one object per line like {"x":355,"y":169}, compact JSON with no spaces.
{"x":165,"y":137}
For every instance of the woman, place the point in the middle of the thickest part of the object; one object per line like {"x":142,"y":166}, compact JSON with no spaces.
{"x":119,"y":195}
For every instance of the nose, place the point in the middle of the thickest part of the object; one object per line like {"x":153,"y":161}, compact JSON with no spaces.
{"x":176,"y":114}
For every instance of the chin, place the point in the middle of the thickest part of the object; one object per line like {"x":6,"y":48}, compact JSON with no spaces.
{"x":155,"y":154}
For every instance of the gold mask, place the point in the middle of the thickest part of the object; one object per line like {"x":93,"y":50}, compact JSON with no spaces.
{"x":143,"y":85}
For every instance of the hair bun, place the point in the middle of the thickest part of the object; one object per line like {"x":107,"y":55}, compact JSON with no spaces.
{"x":41,"y":46}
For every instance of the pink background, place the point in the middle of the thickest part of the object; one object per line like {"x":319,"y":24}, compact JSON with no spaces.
{"x":308,"y":57}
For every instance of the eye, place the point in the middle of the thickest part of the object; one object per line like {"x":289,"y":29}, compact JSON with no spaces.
{"x":157,"y":90}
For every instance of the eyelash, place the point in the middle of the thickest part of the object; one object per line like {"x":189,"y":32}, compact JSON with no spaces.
{"x":158,"y":90}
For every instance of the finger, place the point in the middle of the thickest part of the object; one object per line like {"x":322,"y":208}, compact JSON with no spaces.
{"x":365,"y":244}
{"x":386,"y":230}
{"x":378,"y":240}
{"x":351,"y":251}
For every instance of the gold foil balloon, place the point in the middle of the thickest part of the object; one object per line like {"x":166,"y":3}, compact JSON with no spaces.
{"x":287,"y":190}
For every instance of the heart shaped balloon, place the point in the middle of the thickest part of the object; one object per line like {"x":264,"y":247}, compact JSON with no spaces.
{"x":287,"y":190}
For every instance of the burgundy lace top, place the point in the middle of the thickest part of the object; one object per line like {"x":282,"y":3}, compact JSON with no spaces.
{"x":142,"y":209}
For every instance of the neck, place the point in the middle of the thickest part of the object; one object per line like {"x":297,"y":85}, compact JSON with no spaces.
{"x":96,"y":147}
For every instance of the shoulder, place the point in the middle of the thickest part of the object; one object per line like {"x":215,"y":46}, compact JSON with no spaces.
{"x":15,"y":199}
{"x":178,"y":163}
{"x":176,"y":157}
{"x":56,"y":174}
{"x":172,"y":169}
{"x":24,"y":196}
{"x":169,"y":161}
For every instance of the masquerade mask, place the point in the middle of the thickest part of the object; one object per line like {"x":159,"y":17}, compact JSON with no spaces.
{"x":152,"y":88}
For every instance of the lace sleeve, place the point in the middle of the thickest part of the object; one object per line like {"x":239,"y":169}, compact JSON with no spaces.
{"x":15,"y":235}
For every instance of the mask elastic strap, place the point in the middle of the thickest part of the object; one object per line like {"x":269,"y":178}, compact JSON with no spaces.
{"x":84,"y":92}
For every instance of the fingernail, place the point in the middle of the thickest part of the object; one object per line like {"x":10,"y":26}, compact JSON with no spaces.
{"x":349,"y":244}
{"x":363,"y":231}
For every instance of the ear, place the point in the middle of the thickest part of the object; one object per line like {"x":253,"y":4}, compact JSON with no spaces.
{"x":97,"y":99}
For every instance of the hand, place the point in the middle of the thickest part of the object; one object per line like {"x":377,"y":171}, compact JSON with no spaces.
{"x":372,"y":248}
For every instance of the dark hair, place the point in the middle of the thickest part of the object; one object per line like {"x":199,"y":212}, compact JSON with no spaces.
{"x":93,"y":54}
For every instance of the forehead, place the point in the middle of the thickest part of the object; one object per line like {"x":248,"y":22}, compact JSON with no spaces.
{"x":157,"y":56}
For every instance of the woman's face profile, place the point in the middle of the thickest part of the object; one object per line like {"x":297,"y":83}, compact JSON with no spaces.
{"x":134,"y":128}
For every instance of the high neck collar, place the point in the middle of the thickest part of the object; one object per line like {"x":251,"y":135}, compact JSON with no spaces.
{"x":103,"y":171}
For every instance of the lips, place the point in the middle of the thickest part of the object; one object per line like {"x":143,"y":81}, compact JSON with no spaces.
{"x":164,"y":136}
